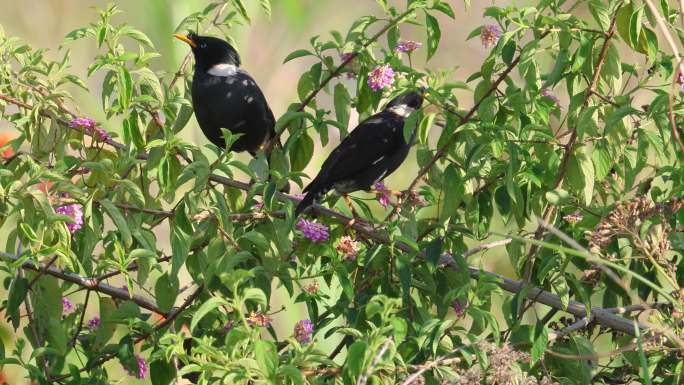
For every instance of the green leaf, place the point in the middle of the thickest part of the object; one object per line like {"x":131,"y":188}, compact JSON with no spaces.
{"x":541,"y":339}
{"x":558,"y":197}
{"x":17,"y":293}
{"x":147,"y":79}
{"x":182,"y":118}
{"x":266,"y":356}
{"x":266,"y":6}
{"x":242,"y":10}
{"x":293,"y":373}
{"x":445,"y":8}
{"x":342,"y":106}
{"x":424,"y":127}
{"x":210,"y":305}
{"x":162,"y":372}
{"x":301,"y":152}
{"x":601,"y":13}
{"x":166,"y":291}
{"x":433,"y":34}
{"x":107,"y":324}
{"x":355,"y":358}
{"x":603,"y":162}
{"x":452,"y":192}
{"x":119,"y":221}
{"x":255,"y":294}
{"x":133,"y":33}
{"x":580,"y":174}
{"x":297,"y":54}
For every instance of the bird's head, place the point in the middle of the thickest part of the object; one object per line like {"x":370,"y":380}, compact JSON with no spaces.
{"x":210,"y":51}
{"x":406,"y":103}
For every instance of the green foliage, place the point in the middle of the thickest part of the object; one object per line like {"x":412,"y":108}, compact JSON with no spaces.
{"x":559,"y":150}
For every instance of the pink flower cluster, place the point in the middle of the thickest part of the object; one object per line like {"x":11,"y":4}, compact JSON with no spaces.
{"x":383,"y":194}
{"x":87,"y":124}
{"x":75,"y":211}
{"x":348,"y":247}
{"x":407,"y":46}
{"x":142,"y":368}
{"x":94,"y":323}
{"x":67,"y":306}
{"x":381,"y":77}
{"x":490,"y":35}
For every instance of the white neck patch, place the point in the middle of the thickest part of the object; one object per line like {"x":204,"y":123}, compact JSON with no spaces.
{"x":223,"y":69}
{"x":402,"y":110}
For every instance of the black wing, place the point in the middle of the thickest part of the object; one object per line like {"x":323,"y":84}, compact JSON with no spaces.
{"x":236,"y":103}
{"x":375,"y":138}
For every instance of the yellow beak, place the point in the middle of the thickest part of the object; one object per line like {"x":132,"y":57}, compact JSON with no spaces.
{"x":185,"y":39}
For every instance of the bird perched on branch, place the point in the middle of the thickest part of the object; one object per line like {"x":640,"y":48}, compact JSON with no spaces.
{"x":226,"y":96}
{"x":371,"y":152}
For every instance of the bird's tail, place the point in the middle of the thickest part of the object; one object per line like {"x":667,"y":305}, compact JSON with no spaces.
{"x":305,"y":203}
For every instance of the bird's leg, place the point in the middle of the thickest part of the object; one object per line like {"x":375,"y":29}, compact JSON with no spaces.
{"x":348,"y":201}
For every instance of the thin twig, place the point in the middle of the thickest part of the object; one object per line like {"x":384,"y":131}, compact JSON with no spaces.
{"x":80,"y":321}
{"x":376,"y":360}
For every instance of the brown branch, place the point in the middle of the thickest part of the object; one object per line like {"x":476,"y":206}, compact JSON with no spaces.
{"x":89,"y":283}
{"x":367,"y":231}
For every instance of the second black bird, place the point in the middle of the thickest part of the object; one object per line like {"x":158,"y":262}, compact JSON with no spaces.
{"x":371,"y":152}
{"x":226,"y":96}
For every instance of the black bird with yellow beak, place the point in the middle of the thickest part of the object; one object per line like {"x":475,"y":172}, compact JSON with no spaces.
{"x":226,"y":96}
{"x":371,"y":152}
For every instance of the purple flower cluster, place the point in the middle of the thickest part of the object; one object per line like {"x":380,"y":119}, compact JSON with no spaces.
{"x":313,"y":231}
{"x":547,"y":93}
{"x":75,"y":211}
{"x":303,"y":331}
{"x":85,"y":123}
{"x":94,"y":323}
{"x":458,"y":307}
{"x":681,"y":81}
{"x":347,"y":56}
{"x":383,"y":194}
{"x":407,"y":46}
{"x":142,"y":368}
{"x":490,"y":35}
{"x":381,"y":77}
{"x":90,"y":127}
{"x":67,"y":306}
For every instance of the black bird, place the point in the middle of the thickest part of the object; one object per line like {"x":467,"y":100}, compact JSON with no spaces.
{"x":226,"y":96}
{"x":372,"y":151}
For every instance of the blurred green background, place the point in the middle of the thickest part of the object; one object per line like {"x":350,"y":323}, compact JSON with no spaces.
{"x":263,"y":45}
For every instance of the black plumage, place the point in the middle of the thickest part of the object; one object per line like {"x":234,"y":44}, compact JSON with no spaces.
{"x":371,"y":152}
{"x":226,"y":96}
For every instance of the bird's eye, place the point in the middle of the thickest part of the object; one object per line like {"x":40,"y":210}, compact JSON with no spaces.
{"x":203,"y":45}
